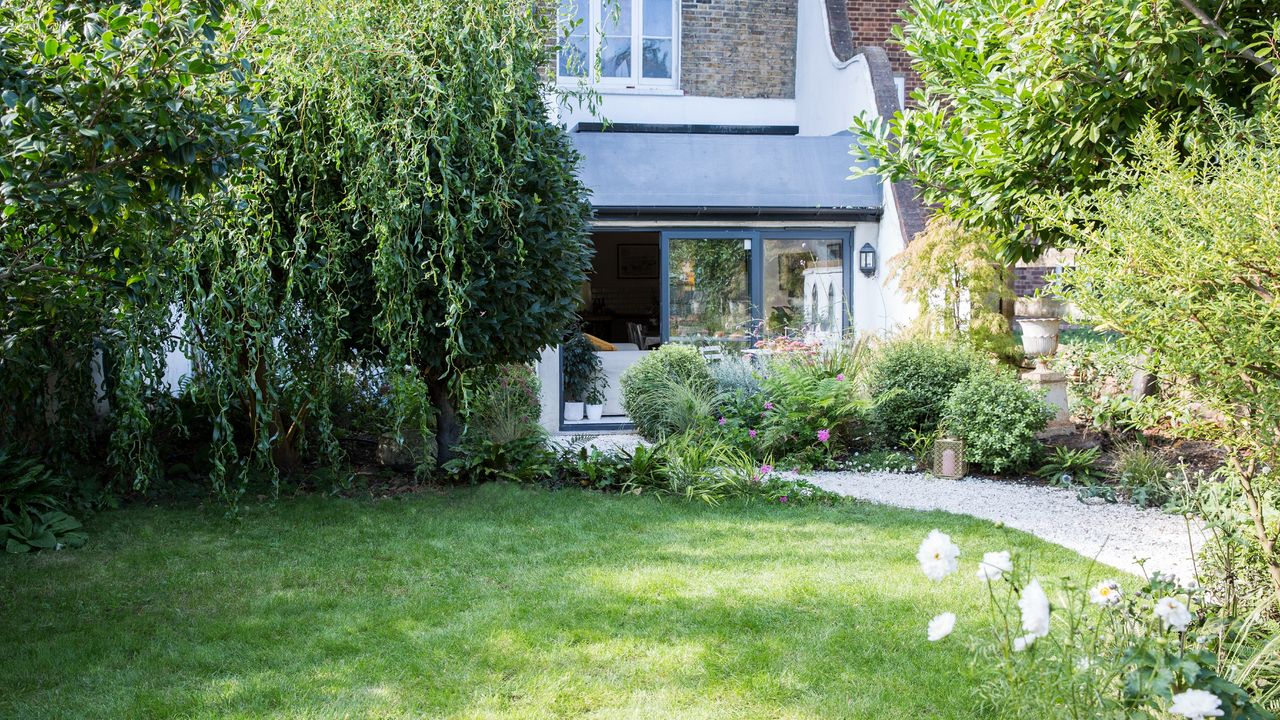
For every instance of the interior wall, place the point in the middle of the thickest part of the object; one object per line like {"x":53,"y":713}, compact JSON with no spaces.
{"x":622,"y":295}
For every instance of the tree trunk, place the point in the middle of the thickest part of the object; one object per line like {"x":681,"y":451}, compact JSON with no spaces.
{"x":1269,"y":554}
{"x":448,"y":426}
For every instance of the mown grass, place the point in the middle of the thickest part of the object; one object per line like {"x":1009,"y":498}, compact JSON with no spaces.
{"x":497,"y":602}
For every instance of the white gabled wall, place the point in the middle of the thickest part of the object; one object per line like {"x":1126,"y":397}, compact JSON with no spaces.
{"x":829,"y":91}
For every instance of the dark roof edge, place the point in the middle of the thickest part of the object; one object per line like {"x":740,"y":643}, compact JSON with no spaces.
{"x":706,"y":212}
{"x":911,"y":215}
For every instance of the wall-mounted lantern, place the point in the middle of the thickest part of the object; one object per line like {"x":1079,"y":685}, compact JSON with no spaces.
{"x":867,"y":260}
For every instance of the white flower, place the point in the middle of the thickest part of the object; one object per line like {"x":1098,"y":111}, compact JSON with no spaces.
{"x":1035,"y":610}
{"x":937,"y":555}
{"x":1105,"y":593}
{"x":994,"y":565}
{"x":1024,"y":642}
{"x":1196,"y":704}
{"x":941,"y":626}
{"x":1174,"y":614}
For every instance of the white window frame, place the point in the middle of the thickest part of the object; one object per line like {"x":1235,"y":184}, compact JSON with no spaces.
{"x":637,"y":81}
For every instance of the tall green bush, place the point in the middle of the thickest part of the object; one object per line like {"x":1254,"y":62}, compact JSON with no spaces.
{"x":1181,"y":255}
{"x":668,"y":391}
{"x":910,"y":382}
{"x":997,"y":417}
{"x":120,"y":125}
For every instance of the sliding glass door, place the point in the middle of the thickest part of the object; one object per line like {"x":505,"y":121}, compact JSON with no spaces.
{"x":707,"y":289}
{"x":804,"y":286}
{"x":738,"y":286}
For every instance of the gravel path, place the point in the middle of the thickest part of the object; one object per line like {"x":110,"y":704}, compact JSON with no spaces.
{"x":1117,"y":535}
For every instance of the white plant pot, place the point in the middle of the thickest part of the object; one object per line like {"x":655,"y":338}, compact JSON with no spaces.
{"x":594,"y":412}
{"x":1040,"y":336}
{"x":573,"y":410}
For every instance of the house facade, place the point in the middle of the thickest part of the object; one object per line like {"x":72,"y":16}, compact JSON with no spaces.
{"x":718,"y":162}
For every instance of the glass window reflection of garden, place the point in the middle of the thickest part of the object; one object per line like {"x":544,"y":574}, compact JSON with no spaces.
{"x":709,"y":282}
{"x":803,"y":286}
{"x":710,"y":293}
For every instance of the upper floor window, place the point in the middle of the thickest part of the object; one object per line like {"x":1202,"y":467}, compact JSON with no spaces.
{"x":621,"y":43}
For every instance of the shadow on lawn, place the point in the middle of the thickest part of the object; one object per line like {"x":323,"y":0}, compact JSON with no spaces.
{"x":493,"y":602}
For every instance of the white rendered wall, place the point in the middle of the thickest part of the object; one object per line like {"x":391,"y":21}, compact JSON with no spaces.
{"x":829,"y":92}
{"x":621,"y":106}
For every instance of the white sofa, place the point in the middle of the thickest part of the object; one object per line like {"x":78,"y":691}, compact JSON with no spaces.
{"x":614,"y":363}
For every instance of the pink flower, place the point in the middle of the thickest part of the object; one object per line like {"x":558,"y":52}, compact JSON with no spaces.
{"x":723,"y":421}
{"x":824,"y":435}
{"x":768,"y":406}
{"x":782,"y":499}
{"x":751,"y":433}
{"x":840,"y":377}
{"x":765,"y":470}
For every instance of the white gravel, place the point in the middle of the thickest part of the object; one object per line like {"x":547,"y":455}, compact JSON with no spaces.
{"x":1118,"y":535}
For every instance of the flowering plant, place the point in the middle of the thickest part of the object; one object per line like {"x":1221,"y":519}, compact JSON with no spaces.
{"x":1095,"y":650}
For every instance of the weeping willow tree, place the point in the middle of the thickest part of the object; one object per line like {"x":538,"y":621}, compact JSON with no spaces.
{"x":418,"y":209}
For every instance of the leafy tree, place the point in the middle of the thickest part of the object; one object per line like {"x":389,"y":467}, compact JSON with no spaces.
{"x":418,"y":208}
{"x":117,"y":122}
{"x":1182,"y":256}
{"x":1021,"y":99}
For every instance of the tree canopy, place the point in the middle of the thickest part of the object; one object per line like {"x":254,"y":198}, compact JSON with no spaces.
{"x":418,"y":208}
{"x":1023,"y":99}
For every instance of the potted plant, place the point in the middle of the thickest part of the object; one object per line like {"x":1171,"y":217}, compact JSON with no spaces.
{"x":581,"y":372}
{"x":595,"y":398}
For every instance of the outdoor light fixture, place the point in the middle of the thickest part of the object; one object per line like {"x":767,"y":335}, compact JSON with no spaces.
{"x":867,"y":260}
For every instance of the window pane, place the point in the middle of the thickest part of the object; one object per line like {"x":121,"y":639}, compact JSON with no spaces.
{"x":710,"y":289}
{"x":803,"y":287}
{"x":657,"y":58}
{"x":615,"y":57}
{"x":657,"y":18}
{"x":573,"y":56}
{"x":615,"y":17}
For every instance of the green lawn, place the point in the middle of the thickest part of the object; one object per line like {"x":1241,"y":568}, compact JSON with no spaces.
{"x":496,"y":602}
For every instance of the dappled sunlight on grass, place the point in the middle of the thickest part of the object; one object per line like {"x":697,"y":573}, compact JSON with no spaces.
{"x":496,"y":601}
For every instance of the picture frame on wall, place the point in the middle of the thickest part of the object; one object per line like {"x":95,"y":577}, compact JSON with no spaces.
{"x":638,"y":261}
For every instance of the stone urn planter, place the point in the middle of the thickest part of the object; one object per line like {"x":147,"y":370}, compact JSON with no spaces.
{"x":1040,"y":335}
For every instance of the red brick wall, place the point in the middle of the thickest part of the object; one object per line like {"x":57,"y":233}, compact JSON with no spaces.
{"x":871,"y":21}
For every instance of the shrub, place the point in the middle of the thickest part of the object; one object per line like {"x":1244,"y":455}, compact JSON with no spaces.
{"x":735,"y":376}
{"x":910,"y":382}
{"x":811,"y":412}
{"x":503,"y":438}
{"x":1202,"y":220}
{"x":32,"y":504}
{"x":649,"y":385}
{"x":997,"y":417}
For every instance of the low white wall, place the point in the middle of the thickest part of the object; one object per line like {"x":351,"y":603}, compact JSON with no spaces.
{"x":548,"y":370}
{"x":667,"y":109}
